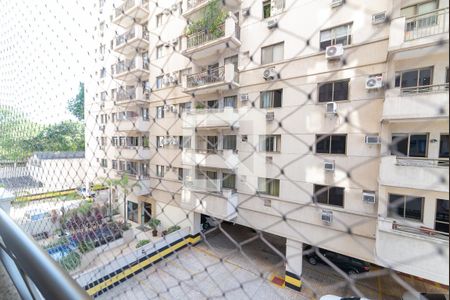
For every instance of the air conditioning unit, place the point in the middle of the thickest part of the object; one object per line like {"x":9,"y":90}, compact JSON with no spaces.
{"x":369,"y":197}
{"x":270,"y":116}
{"x":269,"y":159}
{"x":334,"y":52}
{"x":174,"y":141}
{"x":166,"y":141}
{"x":329,"y":165}
{"x":166,"y":107}
{"x":173,"y":78}
{"x":270,"y":74}
{"x":379,"y":18}
{"x":331,"y":108}
{"x":374,"y":82}
{"x":244,"y":97}
{"x":327,"y":216}
{"x":372,"y":140}
{"x":246,"y":11}
{"x":273,"y":23}
{"x":336,"y":3}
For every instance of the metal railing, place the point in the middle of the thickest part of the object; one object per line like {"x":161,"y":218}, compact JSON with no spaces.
{"x":193,"y":3}
{"x":422,"y":162}
{"x":126,"y":94}
{"x":127,"y":5}
{"x":131,"y":34}
{"x":201,"y":37}
{"x":428,"y":24}
{"x":206,"y":77}
{"x":131,"y":64}
{"x":436,"y":88}
{"x":420,"y":230}
{"x":34,"y":273}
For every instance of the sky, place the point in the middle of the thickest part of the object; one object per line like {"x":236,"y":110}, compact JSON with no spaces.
{"x":46,"y":48}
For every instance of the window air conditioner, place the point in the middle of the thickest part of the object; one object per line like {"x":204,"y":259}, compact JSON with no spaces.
{"x":329,"y":165}
{"x":270,"y":74}
{"x":273,"y":23}
{"x":327,"y":216}
{"x":334,"y":52}
{"x":246,"y":11}
{"x":372,"y":140}
{"x":244,"y":97}
{"x":331,"y":108}
{"x":270,"y":116}
{"x":379,"y":18}
{"x":336,"y":3}
{"x":369,"y":197}
{"x":374,"y":82}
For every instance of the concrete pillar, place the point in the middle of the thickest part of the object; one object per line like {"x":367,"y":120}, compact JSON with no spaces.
{"x":196,"y":223}
{"x":294,"y":264}
{"x":5,"y":200}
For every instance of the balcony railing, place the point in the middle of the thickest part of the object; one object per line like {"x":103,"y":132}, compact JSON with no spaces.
{"x":127,"y":5}
{"x":202,"y":37}
{"x":422,"y":162}
{"x":131,"y":34}
{"x":193,"y":3}
{"x":428,"y":24}
{"x":208,"y":77}
{"x":131,"y":64}
{"x":421,"y":230}
{"x":203,"y":185}
{"x":437,"y":88}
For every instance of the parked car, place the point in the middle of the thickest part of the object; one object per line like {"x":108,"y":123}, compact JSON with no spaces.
{"x":333,"y":297}
{"x":82,"y":191}
{"x":424,"y":296}
{"x":347,"y":264}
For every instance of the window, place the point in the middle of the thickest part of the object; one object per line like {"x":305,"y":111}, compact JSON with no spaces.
{"x":159,"y":82}
{"x":159,"y":20}
{"x":103,"y":141}
{"x":441,"y":221}
{"x":333,"y":91}
{"x":405,"y":207}
{"x":132,"y":167}
{"x":266,"y":9}
{"x":145,"y":142}
{"x":115,"y":141}
{"x":103,"y":96}
{"x":159,"y":141}
{"x":183,"y":74}
{"x":122,"y":165}
{"x":160,"y":170}
{"x":271,"y":99}
{"x":145,"y":114}
{"x":185,"y":142}
{"x":183,"y":173}
{"x":231,"y":60}
{"x":336,"y":35}
{"x":103,"y":72}
{"x":412,"y":145}
{"x":212,"y":143}
{"x":229,"y":181}
{"x":443,"y":146}
{"x":104,"y":163}
{"x":230,"y":101}
{"x":331,"y":144}
{"x":229,"y":142}
{"x":418,"y":9}
{"x":270,"y":143}
{"x":414,"y":78}
{"x":159,"y":51}
{"x":272,"y":8}
{"x":160,"y":112}
{"x":132,"y":211}
{"x":269,"y":186}
{"x":329,"y":195}
{"x":272,"y":53}
{"x":186,"y":106}
{"x":132,"y":141}
{"x":114,"y":164}
{"x":144,"y":169}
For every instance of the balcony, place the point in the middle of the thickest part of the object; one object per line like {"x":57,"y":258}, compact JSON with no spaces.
{"x":400,"y":245}
{"x":138,"y":184}
{"x":213,"y":80}
{"x":418,"y":32}
{"x":131,"y":70}
{"x":132,"y":95}
{"x":133,"y":153}
{"x":416,"y":173}
{"x":203,"y":44}
{"x":132,"y":124}
{"x":194,"y":6}
{"x":207,"y":197}
{"x":220,"y":159}
{"x":416,"y":103}
{"x":130,"y":12}
{"x":211,"y":118}
{"x":137,"y":38}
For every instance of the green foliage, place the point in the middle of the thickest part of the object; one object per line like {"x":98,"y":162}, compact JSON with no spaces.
{"x":154,"y":223}
{"x":59,"y":242}
{"x":64,"y":136}
{"x":86,"y":246}
{"x":142,"y":243}
{"x":71,"y":261}
{"x":76,"y":105}
{"x":85,"y":208}
{"x":210,"y":21}
{"x":173,"y":229}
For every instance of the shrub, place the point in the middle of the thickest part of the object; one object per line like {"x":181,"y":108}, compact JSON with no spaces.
{"x":142,"y":243}
{"x":154,"y":223}
{"x":71,"y":261}
{"x":173,"y":229}
{"x":86,"y":246}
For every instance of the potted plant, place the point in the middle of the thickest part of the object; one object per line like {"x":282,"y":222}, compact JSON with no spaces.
{"x":154,"y":223}
{"x":127,"y":231}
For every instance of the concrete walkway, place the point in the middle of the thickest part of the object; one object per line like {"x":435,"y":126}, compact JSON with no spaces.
{"x":7,"y":288}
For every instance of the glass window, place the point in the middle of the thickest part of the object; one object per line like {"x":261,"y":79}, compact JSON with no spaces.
{"x":160,"y":112}
{"x":159,"y":51}
{"x":270,"y":143}
{"x":414,"y":78}
{"x":443,"y":146}
{"x":412,"y":145}
{"x":212,"y":143}
{"x":405,"y":207}
{"x":160,"y":170}
{"x":329,"y":195}
{"x":229,"y":142}
{"x":231,"y":60}
{"x":336,"y":35}
{"x":441,"y":220}
{"x":230,"y":101}
{"x":145,"y":114}
{"x":159,"y":82}
{"x":333,"y":91}
{"x":145,"y":142}
{"x":132,"y":211}
{"x":159,"y":20}
{"x":185,"y":142}
{"x":331,"y":144}
{"x":159,"y":141}
{"x":272,"y":53}
{"x":271,"y":99}
{"x":269,"y":186}
{"x":266,"y":9}
{"x":229,"y":181}
{"x":399,"y":145}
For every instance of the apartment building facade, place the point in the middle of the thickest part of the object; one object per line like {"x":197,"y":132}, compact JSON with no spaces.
{"x":333,"y":134}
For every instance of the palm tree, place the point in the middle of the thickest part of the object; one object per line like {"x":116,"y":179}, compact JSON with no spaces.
{"x":123,"y":183}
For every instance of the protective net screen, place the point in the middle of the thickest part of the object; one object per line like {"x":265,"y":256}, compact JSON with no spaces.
{"x":238,"y":149}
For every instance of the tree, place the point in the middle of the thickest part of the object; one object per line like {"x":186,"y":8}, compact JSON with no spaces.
{"x":64,"y":136}
{"x":123,"y":183}
{"x":76,"y":105}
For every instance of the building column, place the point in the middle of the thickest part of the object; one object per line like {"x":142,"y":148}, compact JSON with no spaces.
{"x":294,"y":264}
{"x":196,"y":223}
{"x":5,"y":200}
